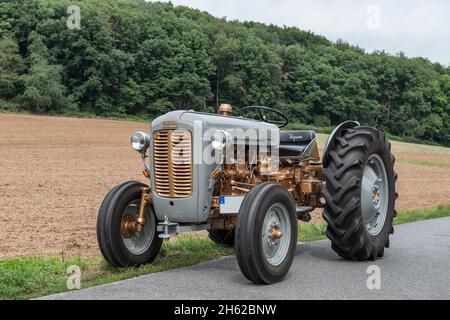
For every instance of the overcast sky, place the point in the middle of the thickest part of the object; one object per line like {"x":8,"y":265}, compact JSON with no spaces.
{"x":416,"y":27}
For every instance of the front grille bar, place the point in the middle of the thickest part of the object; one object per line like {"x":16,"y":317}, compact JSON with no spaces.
{"x":172,"y":163}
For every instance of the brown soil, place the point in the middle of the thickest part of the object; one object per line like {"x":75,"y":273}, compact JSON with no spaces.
{"x":55,"y":171}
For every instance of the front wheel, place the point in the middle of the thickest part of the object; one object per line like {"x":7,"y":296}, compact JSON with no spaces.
{"x":266,"y":234}
{"x":119,"y":246}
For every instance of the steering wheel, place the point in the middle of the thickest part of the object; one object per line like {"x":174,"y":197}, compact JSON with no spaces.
{"x":280,"y":123}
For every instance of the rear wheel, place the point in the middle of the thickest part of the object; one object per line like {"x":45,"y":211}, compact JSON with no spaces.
{"x":266,"y":234}
{"x":360,"y":193}
{"x":224,"y":237}
{"x":119,"y":246}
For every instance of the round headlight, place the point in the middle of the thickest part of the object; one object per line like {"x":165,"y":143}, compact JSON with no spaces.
{"x":220,"y":139}
{"x":140,"y":141}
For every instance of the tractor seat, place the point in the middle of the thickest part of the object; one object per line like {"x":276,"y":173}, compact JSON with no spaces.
{"x":293,"y":143}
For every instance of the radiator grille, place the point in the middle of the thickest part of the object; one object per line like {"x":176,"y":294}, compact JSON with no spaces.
{"x":172,"y":162}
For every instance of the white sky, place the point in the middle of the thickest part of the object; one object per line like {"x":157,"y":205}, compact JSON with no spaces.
{"x":416,"y":27}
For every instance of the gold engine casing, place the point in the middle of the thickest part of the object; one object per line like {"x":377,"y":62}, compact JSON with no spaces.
{"x":302,"y":178}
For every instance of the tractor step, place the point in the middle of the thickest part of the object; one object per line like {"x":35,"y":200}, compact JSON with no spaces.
{"x":169,"y":229}
{"x":303,"y":213}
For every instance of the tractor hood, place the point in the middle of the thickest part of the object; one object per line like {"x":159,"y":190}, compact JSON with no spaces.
{"x":202,"y":123}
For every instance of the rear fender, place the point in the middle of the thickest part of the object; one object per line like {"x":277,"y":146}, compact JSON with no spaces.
{"x":330,"y":144}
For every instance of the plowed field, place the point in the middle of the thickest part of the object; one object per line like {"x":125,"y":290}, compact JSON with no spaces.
{"x":55,"y":171}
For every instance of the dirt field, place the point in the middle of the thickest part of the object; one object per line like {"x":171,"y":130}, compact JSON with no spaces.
{"x":55,"y":171}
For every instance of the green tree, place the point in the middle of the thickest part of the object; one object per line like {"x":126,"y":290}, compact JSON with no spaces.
{"x":11,"y":66}
{"x":224,"y":53}
{"x":43,"y":90}
{"x":261,"y":72}
{"x":134,"y":57}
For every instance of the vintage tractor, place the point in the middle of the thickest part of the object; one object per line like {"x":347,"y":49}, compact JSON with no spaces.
{"x":248,"y":183}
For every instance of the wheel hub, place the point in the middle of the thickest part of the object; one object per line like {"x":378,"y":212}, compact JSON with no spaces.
{"x":128,"y":227}
{"x":273,"y":231}
{"x":137,"y":240}
{"x":374,"y":194}
{"x":276,"y":234}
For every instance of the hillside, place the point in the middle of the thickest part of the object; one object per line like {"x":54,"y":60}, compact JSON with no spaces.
{"x":132,"y":57}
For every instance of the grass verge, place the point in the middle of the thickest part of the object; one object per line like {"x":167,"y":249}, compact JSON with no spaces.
{"x":425,"y":163}
{"x":79,"y":114}
{"x":312,"y":232}
{"x":29,"y":277}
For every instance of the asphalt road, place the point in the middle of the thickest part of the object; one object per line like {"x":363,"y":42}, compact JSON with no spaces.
{"x":417,"y":266}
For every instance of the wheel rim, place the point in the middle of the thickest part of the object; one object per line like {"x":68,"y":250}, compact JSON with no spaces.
{"x":139,"y":242}
{"x":276,"y":235}
{"x":374,"y":194}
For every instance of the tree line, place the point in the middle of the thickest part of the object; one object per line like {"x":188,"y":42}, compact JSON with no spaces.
{"x":130,"y":57}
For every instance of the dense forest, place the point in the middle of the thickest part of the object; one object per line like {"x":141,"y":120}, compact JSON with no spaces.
{"x":137,"y":58}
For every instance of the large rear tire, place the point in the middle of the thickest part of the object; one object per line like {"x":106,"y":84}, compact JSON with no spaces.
{"x":223,"y":237}
{"x":118,"y":248}
{"x":360,"y":193}
{"x":266,"y":234}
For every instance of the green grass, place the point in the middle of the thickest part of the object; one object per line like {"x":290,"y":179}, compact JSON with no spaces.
{"x":422,"y":214}
{"x":425,"y":163}
{"x":12,"y":108}
{"x":302,"y":126}
{"x":118,"y":116}
{"x":5,"y":109}
{"x":414,"y":140}
{"x":312,"y":232}
{"x":28,"y":277}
